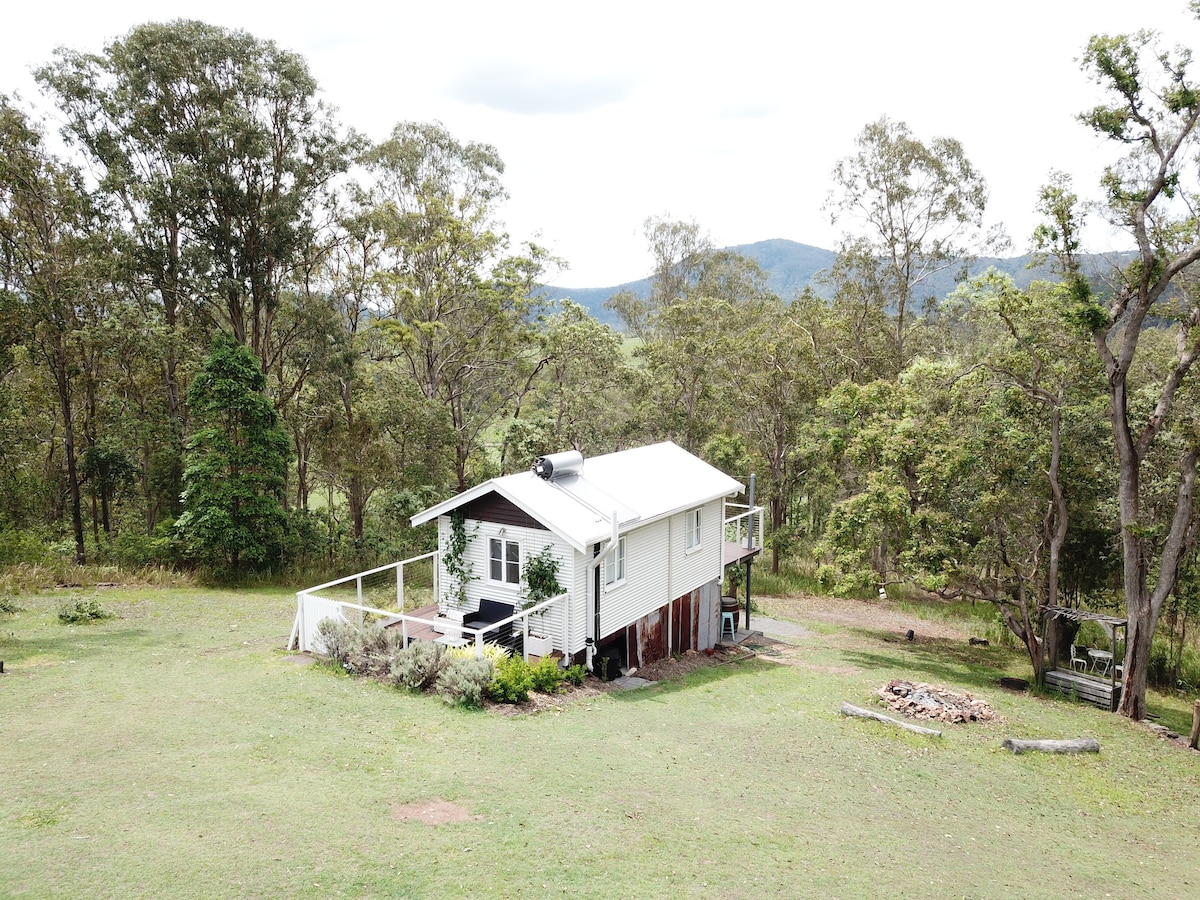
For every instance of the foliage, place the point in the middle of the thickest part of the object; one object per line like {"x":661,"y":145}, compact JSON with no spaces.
{"x":546,"y":677}
{"x":575,"y":675}
{"x":464,"y":680}
{"x":454,"y":557}
{"x":373,"y":650}
{"x":233,"y":516}
{"x":511,"y":681}
{"x":493,"y":653}
{"x":338,"y":639}
{"x":83,"y":611}
{"x":920,"y":207}
{"x":9,"y":606}
{"x":418,"y":666}
{"x":540,"y":575}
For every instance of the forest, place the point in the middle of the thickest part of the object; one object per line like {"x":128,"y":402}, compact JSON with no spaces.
{"x":239,"y":338}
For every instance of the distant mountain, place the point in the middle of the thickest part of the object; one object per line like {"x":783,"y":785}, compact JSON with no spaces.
{"x":791,"y":267}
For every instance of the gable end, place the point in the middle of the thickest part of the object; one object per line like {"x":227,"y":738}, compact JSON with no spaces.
{"x":492,"y":507}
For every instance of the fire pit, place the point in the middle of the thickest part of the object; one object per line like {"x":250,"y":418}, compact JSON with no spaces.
{"x":925,"y":701}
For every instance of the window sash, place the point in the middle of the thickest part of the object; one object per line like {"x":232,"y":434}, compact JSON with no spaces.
{"x":692,"y":532}
{"x":504,"y":561}
{"x":614,"y":565}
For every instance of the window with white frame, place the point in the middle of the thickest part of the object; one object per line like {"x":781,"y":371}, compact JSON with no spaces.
{"x":614,"y":565}
{"x":504,"y":561}
{"x":691,"y":538}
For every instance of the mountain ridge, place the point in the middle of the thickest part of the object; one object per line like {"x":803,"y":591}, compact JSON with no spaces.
{"x":790,"y":267}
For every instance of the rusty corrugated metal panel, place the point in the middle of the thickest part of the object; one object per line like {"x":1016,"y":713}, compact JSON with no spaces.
{"x":653,"y":643}
{"x":687,"y":635}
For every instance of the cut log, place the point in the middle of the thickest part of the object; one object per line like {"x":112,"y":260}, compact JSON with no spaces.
{"x":1076,"y":745}
{"x":860,"y":713}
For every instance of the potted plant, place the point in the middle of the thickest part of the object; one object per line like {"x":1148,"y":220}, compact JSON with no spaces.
{"x":541,"y":583}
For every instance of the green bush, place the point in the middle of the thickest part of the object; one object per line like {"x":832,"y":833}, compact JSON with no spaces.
{"x":574,"y":675}
{"x":8,"y":606}
{"x":417,"y":667}
{"x":546,"y":676}
{"x":511,"y":682}
{"x":463,"y":680}
{"x":82,"y":612}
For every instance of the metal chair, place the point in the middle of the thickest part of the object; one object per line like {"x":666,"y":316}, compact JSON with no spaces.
{"x":727,"y":617}
{"x":1078,"y":663}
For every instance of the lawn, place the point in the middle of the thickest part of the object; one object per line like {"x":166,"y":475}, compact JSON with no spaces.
{"x":175,"y":751}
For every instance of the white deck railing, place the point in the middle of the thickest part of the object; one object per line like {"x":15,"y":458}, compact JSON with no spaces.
{"x":741,"y":521}
{"x":312,"y":608}
{"x":315,"y":603}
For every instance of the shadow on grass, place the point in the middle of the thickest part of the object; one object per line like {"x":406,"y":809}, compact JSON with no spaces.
{"x":927,"y":662}
{"x":693,"y":679}
{"x":77,"y":642}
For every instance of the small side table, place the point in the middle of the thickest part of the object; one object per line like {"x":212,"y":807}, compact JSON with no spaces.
{"x":452,"y":640}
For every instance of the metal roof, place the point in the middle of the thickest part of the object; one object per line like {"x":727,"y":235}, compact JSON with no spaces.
{"x":638,"y":485}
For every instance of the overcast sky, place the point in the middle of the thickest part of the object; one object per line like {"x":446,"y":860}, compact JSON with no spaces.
{"x":730,"y":115}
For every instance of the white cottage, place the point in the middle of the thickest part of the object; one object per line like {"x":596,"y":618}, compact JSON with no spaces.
{"x":639,"y":536}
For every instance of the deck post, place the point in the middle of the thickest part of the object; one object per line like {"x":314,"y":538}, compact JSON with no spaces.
{"x":749,"y":546}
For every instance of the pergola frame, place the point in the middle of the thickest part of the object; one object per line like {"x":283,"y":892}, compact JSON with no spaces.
{"x":1051,"y":616}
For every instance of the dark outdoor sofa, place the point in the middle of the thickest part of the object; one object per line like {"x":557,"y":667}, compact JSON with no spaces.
{"x":490,"y":612}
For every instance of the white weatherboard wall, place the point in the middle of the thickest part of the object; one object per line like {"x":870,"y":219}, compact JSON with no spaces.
{"x":691,"y":569}
{"x":532,"y":540}
{"x":647,"y":580}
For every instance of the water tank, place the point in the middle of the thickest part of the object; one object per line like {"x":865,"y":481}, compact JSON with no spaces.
{"x":557,"y":465}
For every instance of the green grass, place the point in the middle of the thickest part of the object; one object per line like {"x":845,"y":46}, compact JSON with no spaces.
{"x":173,"y":751}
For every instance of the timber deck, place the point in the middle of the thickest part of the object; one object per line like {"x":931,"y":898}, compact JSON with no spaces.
{"x":1098,"y":692}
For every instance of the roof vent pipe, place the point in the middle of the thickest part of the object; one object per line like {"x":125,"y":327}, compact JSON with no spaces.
{"x":558,"y":465}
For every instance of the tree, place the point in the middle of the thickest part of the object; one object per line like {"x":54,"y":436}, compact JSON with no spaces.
{"x":460,"y":308}
{"x":921,"y":208}
{"x":773,"y":387}
{"x":215,"y":146}
{"x":1151,"y":111}
{"x":579,"y":394}
{"x":53,"y":268}
{"x":233,"y":515}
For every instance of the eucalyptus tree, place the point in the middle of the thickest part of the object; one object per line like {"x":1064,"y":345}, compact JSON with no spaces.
{"x":1151,"y":110}
{"x":55,"y":268}
{"x":919,"y":210}
{"x":772,"y":384}
{"x":579,"y":394}
{"x":459,"y":306}
{"x":1031,"y":372}
{"x":215,"y":146}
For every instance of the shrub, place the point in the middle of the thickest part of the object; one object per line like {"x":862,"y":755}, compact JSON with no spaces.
{"x":574,"y":675}
{"x":9,"y":606}
{"x":546,"y":677}
{"x":511,"y":682}
{"x":417,"y":667}
{"x":373,"y":650}
{"x":463,"y":680}
{"x":493,"y":653}
{"x":338,"y":638}
{"x":82,"y":612}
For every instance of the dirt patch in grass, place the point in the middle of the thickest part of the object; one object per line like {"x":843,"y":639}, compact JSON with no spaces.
{"x":674,"y":667}
{"x":434,"y":811}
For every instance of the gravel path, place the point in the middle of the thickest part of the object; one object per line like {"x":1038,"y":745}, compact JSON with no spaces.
{"x":776,"y":627}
